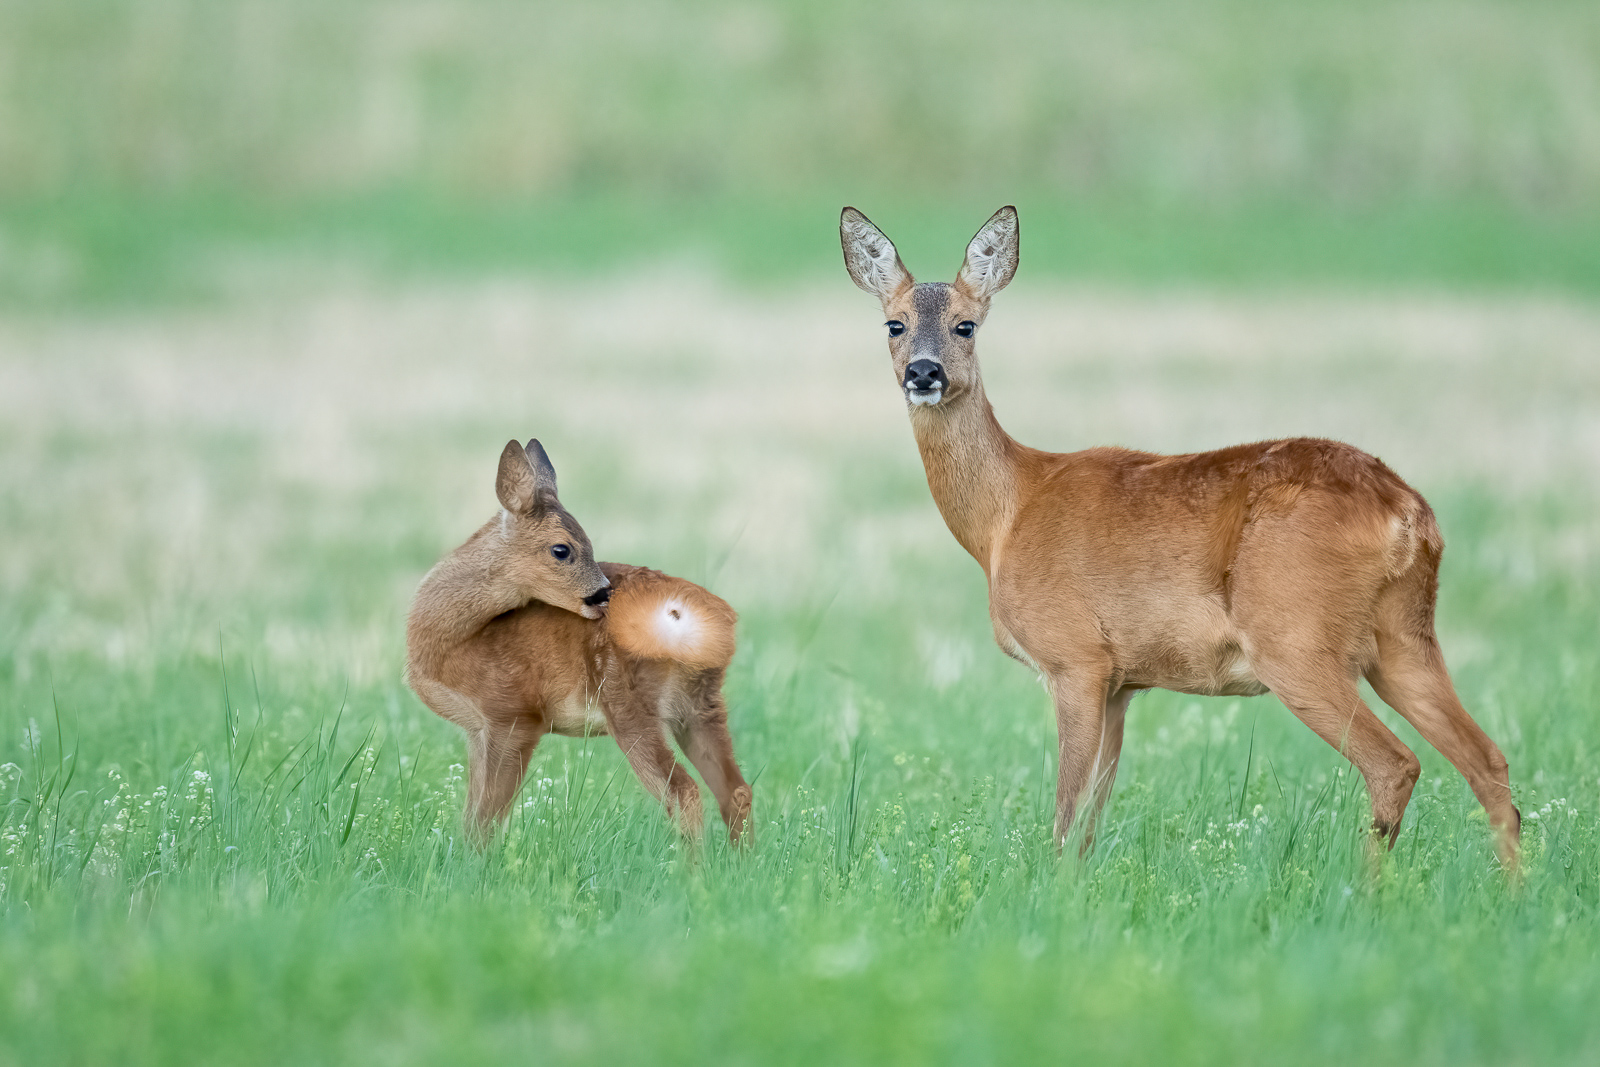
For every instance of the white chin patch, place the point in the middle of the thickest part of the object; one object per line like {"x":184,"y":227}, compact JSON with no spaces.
{"x":592,"y":611}
{"x":925,"y":396}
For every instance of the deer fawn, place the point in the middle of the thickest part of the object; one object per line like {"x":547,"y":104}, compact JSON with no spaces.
{"x":519,"y":633}
{"x":1292,"y":566}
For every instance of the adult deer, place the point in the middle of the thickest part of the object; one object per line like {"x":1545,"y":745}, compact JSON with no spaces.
{"x":1290,"y":566}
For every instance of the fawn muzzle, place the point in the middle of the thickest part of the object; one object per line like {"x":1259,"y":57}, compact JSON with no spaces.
{"x":596,"y":601}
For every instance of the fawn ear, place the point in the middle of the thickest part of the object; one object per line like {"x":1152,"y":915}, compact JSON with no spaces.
{"x":544,"y":472}
{"x":991,"y":256}
{"x":518,"y":483}
{"x":870,"y":257}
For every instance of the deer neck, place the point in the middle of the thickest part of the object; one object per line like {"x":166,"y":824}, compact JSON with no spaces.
{"x":972,"y":470}
{"x":466,"y":590}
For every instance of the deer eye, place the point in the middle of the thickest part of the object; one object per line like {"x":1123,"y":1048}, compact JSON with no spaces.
{"x":561,"y":551}
{"x":896,"y":327}
{"x":965,"y":329}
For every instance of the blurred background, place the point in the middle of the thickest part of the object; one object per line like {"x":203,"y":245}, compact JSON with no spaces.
{"x":195,"y":146}
{"x":322,"y":257}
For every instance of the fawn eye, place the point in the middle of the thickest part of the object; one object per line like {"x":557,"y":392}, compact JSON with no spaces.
{"x":896,"y":327}
{"x":965,"y":329}
{"x":561,"y":551}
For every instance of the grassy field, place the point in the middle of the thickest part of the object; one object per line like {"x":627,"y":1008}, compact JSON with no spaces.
{"x":279,"y":279}
{"x":230,"y":833}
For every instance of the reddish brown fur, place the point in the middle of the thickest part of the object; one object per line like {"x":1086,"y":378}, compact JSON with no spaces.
{"x":1293,"y":566}
{"x":489,"y":650}
{"x":635,"y":618}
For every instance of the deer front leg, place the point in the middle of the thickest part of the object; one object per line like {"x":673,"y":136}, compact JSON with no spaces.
{"x":497,"y":760}
{"x":1080,"y":700}
{"x":1105,"y":763}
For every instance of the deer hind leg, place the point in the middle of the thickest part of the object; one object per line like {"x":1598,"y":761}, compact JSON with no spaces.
{"x":1104,"y":774}
{"x":1323,"y":695}
{"x":1410,"y":676}
{"x":1302,"y":600}
{"x":497,"y":760}
{"x":703,"y":736}
{"x":643,"y":742}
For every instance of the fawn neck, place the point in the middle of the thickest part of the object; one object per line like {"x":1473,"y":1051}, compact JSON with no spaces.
{"x":972,"y":467}
{"x":467,"y":589}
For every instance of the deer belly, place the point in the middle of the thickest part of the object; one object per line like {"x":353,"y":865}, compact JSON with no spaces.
{"x":1217,"y":671}
{"x":578,"y":716}
{"x":1200,"y":652}
{"x":1234,"y":676}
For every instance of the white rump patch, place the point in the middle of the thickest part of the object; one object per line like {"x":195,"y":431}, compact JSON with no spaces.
{"x":677,"y":627}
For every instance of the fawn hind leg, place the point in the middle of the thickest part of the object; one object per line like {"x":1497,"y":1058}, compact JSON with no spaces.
{"x":639,"y":733}
{"x":1410,"y":676}
{"x":703,"y":735}
{"x":497,"y":760}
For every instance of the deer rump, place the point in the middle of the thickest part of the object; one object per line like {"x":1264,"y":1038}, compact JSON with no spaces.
{"x":656,"y":616}
{"x":662,"y":642}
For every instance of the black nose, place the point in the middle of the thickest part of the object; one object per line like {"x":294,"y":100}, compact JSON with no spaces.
{"x":599,"y":596}
{"x":925,"y":374}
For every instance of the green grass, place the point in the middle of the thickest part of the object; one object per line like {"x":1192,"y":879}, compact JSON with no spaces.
{"x":216,"y":859}
{"x":230,"y":833}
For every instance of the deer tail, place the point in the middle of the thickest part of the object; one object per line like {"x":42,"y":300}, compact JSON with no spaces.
{"x":656,"y":616}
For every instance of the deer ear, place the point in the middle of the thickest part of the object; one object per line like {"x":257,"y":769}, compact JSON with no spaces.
{"x":992,"y":256}
{"x":544,"y":472}
{"x":516,"y":484}
{"x":870,"y":257}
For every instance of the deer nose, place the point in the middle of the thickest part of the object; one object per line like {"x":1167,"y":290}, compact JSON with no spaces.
{"x":925,"y":374}
{"x":599,"y":596}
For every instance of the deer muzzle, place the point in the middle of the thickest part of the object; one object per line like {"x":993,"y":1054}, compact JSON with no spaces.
{"x":924,"y":382}
{"x":594,"y":605}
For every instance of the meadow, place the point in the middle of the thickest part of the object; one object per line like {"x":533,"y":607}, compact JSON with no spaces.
{"x":231,"y":832}
{"x":278,"y":281}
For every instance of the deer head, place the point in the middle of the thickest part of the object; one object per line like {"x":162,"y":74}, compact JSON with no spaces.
{"x":549,"y":555}
{"x":932,"y":325}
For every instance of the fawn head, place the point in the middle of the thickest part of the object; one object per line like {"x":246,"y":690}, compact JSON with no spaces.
{"x":932,"y":325}
{"x":550,"y":553}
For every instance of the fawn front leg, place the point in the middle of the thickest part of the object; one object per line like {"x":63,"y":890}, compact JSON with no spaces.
{"x":497,"y":759}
